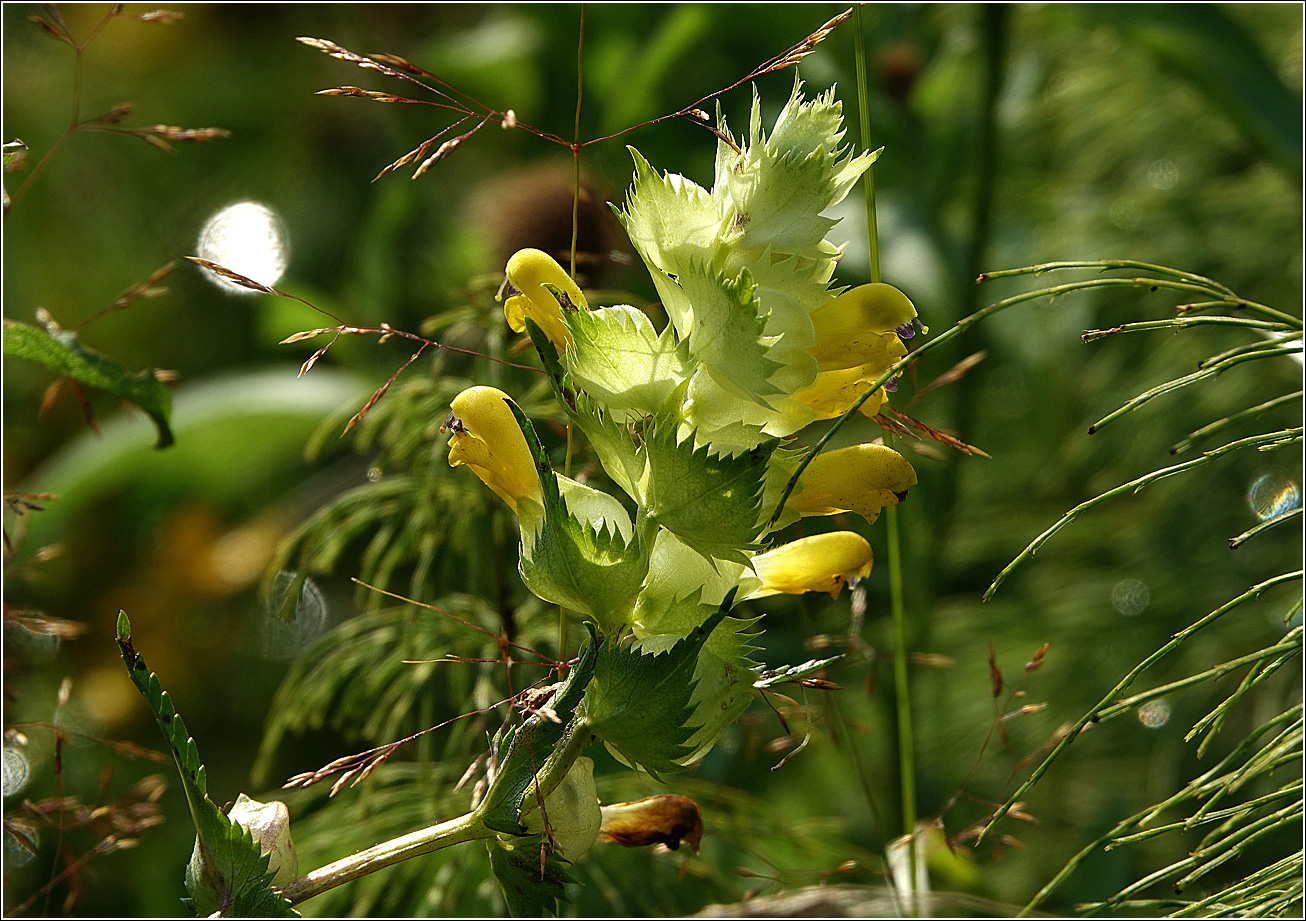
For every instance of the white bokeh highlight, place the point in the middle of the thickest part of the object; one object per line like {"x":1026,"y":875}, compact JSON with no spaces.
{"x":249,"y":239}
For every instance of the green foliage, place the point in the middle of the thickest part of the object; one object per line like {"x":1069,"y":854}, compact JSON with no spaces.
{"x":532,"y":890}
{"x":1263,"y":813}
{"x":639,"y":702}
{"x":536,"y":749}
{"x":61,"y":351}
{"x":622,"y":362}
{"x":568,"y":561}
{"x":231,"y":875}
{"x":710,"y":501}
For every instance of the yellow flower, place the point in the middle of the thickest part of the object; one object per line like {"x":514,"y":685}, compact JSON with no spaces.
{"x":487,"y":438}
{"x":859,"y":327}
{"x":860,"y":478}
{"x":857,"y":340}
{"x":834,"y":391}
{"x":820,"y":563}
{"x":529,"y":272}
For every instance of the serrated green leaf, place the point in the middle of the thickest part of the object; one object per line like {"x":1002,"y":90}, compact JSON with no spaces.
{"x":724,"y":674}
{"x":778,"y":187}
{"x":517,"y":869}
{"x":526,"y":751}
{"x":619,"y":360}
{"x":641,"y":704}
{"x":232,"y":875}
{"x":670,"y":219}
{"x":726,"y":332}
{"x":710,"y":501}
{"x":564,"y":560}
{"x":62,"y":352}
{"x":611,"y":440}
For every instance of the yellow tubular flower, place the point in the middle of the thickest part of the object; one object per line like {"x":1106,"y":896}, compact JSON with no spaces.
{"x":820,"y":563}
{"x":834,"y":391}
{"x":487,"y":439}
{"x":861,"y":478}
{"x":859,"y":327}
{"x":529,"y":270}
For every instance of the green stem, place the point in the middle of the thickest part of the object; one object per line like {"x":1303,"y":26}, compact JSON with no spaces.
{"x":464,"y":828}
{"x":1133,"y":486}
{"x":1106,"y":265}
{"x":1221,"y":424}
{"x":576,"y":145}
{"x":1120,"y":688}
{"x":902,"y":689}
{"x":868,"y":178}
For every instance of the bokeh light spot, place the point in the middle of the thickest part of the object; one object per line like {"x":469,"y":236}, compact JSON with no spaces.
{"x":16,"y":771}
{"x":285,"y":639}
{"x":1271,"y":496}
{"x":1131,"y":597}
{"x":247,"y":238}
{"x":1154,"y":714}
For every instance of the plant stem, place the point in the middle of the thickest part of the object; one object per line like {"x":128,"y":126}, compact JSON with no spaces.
{"x":1111,"y":696}
{"x":902,"y":690}
{"x":464,"y":828}
{"x":575,"y":147}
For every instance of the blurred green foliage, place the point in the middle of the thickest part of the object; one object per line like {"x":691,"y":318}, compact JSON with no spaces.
{"x":1168,"y":134}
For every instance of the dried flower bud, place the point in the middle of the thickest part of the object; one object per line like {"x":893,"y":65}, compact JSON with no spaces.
{"x":666,"y":818}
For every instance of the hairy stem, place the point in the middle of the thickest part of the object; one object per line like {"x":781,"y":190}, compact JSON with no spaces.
{"x":464,"y":828}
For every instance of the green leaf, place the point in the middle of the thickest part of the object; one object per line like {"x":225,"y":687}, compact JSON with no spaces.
{"x":530,"y":750}
{"x":712,"y":502}
{"x":670,"y":221}
{"x":620,"y":361}
{"x":772,"y":194}
{"x":611,"y":440}
{"x":232,"y":876}
{"x":517,"y":868}
{"x":641,"y":703}
{"x":567,"y":561}
{"x":724,"y":675}
{"x":62,"y":352}
{"x":725,"y":331}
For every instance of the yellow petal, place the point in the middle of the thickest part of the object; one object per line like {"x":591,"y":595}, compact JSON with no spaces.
{"x":834,"y":391}
{"x":487,"y":438}
{"x":529,"y":271}
{"x":860,"y":478}
{"x":820,"y":563}
{"x":855,"y":328}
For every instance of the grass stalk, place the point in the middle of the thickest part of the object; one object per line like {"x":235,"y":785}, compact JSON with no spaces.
{"x":901,"y":684}
{"x":1110,"y":697}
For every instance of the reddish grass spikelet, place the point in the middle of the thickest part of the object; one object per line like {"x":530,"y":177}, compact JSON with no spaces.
{"x":380,"y":392}
{"x":115,"y":115}
{"x":235,"y":276}
{"x":367,"y":94}
{"x":995,"y":673}
{"x":51,"y":30}
{"x":448,"y":146}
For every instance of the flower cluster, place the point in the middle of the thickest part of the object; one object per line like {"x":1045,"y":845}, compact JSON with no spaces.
{"x":690,"y":421}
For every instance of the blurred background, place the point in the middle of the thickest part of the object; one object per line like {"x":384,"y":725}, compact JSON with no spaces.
{"x":1012,"y":136}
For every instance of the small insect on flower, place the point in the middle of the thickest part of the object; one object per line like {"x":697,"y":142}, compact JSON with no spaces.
{"x":485,"y":437}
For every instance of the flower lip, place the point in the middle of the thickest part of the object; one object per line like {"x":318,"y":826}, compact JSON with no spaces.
{"x":487,"y":439}
{"x":906,"y":331}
